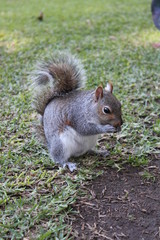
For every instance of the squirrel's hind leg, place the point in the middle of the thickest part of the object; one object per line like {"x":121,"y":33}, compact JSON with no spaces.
{"x":59,"y":155}
{"x":56,"y":151}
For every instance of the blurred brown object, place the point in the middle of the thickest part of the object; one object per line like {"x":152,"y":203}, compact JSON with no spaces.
{"x":40,"y":17}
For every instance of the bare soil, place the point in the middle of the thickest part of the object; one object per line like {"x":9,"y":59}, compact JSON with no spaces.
{"x":120,"y":205}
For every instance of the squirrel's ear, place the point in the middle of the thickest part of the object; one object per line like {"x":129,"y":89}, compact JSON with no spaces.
{"x":99,"y":93}
{"x":109,"y":87}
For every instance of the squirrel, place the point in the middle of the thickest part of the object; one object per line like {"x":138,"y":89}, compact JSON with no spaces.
{"x":72,"y":118}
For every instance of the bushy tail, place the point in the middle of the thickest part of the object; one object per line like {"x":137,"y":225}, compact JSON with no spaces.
{"x":57,"y":76}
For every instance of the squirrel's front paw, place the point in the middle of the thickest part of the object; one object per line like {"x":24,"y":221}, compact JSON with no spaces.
{"x":110,"y":129}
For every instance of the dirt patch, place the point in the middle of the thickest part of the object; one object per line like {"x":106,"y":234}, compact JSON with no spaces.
{"x":121,"y":205}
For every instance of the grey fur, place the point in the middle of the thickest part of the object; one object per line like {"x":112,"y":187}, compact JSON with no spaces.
{"x":71,"y":118}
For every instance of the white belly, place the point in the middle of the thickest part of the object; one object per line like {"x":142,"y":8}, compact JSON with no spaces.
{"x":75,"y":144}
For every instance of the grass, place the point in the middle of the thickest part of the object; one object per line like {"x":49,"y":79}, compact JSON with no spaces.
{"x":114,"y":40}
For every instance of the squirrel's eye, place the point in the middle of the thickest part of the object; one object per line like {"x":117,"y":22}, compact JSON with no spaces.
{"x":106,"y":110}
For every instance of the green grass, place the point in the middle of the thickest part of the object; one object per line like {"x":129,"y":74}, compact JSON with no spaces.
{"x":114,"y":40}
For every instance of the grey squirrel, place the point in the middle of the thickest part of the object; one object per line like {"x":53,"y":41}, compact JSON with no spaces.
{"x":72,"y":119}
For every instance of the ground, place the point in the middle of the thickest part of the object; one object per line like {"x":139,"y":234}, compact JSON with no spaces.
{"x":120,"y":205}
{"x":117,"y":42}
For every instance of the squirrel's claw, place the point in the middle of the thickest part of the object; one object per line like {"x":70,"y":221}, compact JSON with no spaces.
{"x":110,"y":129}
{"x":72,"y":166}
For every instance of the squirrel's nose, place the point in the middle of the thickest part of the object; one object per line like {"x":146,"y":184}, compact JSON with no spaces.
{"x":118,"y":125}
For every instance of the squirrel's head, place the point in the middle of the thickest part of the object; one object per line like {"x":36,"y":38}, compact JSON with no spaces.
{"x":108,"y":107}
